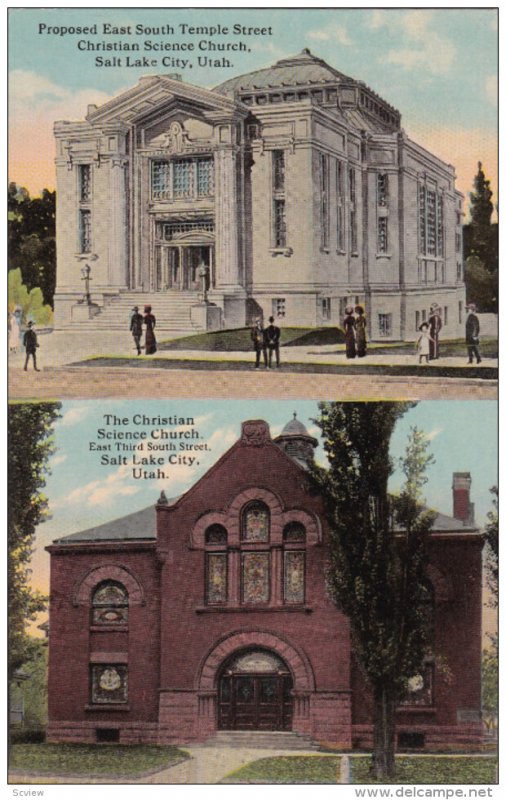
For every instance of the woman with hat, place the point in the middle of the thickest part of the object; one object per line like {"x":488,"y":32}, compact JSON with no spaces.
{"x":149,"y":322}
{"x":360,"y":331}
{"x":349,"y":332}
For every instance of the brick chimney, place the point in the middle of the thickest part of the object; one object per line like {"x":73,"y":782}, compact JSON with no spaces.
{"x":463,"y":509}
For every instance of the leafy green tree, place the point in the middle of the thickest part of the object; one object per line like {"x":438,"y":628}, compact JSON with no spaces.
{"x":490,"y":684}
{"x":492,"y":549}
{"x":481,"y":244}
{"x":35,"y":688}
{"x":31,"y":302}
{"x":30,"y":445}
{"x":377,"y":573}
{"x":31,"y":237}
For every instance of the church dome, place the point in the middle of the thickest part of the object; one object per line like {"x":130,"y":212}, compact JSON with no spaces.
{"x":296,"y":442}
{"x":294,"y":428}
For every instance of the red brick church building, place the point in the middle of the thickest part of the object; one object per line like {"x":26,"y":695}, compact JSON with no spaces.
{"x":210,"y":613}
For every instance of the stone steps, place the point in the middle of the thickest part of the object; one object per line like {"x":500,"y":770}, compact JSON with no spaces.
{"x":268,"y":740}
{"x":172,"y":312}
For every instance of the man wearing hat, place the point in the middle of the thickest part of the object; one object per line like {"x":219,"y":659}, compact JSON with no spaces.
{"x":259,"y":343}
{"x":435,"y":325}
{"x":272,"y":337}
{"x":30,"y":343}
{"x":472,"y":334}
{"x":136,"y":327}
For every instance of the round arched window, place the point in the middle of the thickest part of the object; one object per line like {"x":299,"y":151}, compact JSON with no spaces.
{"x":255,"y":523}
{"x":109,"y":604}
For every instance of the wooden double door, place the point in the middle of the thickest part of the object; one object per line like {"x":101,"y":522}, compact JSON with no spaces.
{"x":259,"y":702}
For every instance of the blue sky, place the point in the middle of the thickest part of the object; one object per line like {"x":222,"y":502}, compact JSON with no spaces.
{"x":437,"y":66}
{"x":83,"y":493}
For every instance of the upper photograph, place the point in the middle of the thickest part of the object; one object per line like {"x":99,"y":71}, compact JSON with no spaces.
{"x":253,"y":203}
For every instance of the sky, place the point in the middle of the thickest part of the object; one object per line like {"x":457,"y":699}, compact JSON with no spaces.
{"x":438,"y":67}
{"x":83,"y":492}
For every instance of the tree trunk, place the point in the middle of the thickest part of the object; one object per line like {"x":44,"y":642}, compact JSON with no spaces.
{"x":385,"y":704}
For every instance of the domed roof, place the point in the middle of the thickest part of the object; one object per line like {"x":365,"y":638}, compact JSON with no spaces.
{"x":299,"y":70}
{"x":294,"y":428}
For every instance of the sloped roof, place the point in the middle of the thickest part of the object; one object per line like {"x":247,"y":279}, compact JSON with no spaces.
{"x":299,"y":70}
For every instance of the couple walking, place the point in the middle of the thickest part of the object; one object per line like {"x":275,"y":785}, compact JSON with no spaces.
{"x":265,"y":342}
{"x":355,"y":336}
{"x":136,"y":323}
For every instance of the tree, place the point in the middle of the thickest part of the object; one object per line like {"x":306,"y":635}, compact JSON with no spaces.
{"x":30,"y":445}
{"x":490,"y":684}
{"x":32,"y":242}
{"x":378,"y":554}
{"x":492,"y":550}
{"x":481,"y":242}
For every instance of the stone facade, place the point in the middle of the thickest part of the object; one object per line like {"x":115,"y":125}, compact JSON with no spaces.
{"x":159,"y":633}
{"x":294,"y":188}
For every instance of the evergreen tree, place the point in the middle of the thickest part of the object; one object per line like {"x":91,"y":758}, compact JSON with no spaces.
{"x":30,"y":445}
{"x":492,"y":550}
{"x":481,"y":246}
{"x":378,"y":554}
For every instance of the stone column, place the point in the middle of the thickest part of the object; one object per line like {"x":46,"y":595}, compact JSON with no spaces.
{"x":226,"y":205}
{"x":118,"y":234}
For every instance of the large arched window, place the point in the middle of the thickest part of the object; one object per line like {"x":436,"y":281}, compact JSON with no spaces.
{"x":109,"y":604}
{"x":255,"y":522}
{"x":216,"y":538}
{"x":294,"y":563}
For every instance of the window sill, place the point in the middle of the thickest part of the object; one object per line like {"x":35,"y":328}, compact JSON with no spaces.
{"x":107,"y":707}
{"x":416,"y":710}
{"x":281,"y":251}
{"x":234,"y":609}
{"x":383,"y":255}
{"x":112,"y":627}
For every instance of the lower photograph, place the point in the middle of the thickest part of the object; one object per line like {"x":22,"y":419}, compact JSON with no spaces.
{"x":241,"y":592}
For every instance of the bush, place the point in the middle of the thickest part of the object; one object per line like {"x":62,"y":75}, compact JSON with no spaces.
{"x":31,"y":302}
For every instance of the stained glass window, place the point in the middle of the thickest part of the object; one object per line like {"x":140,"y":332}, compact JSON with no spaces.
{"x":255,"y":577}
{"x":216,"y":577}
{"x":109,"y":683}
{"x":420,"y":688}
{"x":110,"y":604}
{"x":294,"y":576}
{"x":255,"y":527}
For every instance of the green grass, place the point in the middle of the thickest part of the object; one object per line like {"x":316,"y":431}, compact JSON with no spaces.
{"x":325,"y":769}
{"x":431,"y":769}
{"x":239,"y":339}
{"x":288,"y":769}
{"x":489,"y":348}
{"x":89,"y":759}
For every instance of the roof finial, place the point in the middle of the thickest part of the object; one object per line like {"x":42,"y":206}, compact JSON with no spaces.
{"x":295,"y":415}
{"x":162,"y":500}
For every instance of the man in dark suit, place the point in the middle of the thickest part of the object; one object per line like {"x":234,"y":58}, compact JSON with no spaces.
{"x":136,"y":327}
{"x":272,"y":336}
{"x":435,"y":325}
{"x":472,"y":334}
{"x":258,"y":339}
{"x":31,"y":344}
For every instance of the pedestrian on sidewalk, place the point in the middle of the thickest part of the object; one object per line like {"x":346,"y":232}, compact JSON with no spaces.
{"x":136,"y":327}
{"x":258,"y":339}
{"x":272,"y":337}
{"x":30,"y":343}
{"x":472,"y":334}
{"x":349,"y":332}
{"x":435,"y":325}
{"x":423,"y":343}
{"x":360,"y":331}
{"x":149,"y":322}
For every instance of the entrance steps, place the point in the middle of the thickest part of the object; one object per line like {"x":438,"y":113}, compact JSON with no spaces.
{"x":171,"y":309}
{"x":267,"y":740}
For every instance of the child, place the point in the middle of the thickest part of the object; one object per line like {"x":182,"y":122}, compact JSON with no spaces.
{"x":423,"y":343}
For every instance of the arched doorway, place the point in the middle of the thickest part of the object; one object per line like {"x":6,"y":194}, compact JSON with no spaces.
{"x":255,"y":693}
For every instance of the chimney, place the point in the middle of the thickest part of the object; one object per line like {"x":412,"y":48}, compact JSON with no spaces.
{"x":463,"y":509}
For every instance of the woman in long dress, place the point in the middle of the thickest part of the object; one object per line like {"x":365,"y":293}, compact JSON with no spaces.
{"x":349,"y":332}
{"x":360,"y":331}
{"x":149,"y":322}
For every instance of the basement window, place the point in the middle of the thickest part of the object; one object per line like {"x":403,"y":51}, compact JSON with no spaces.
{"x":411,"y":740}
{"x":110,"y":735}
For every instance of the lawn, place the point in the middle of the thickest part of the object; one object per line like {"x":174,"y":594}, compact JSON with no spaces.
{"x":89,"y":759}
{"x":432,"y":769}
{"x":288,"y":769}
{"x":325,"y":769}
{"x":239,"y":339}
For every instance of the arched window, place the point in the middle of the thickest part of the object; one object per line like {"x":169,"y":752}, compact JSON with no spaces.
{"x":216,"y":564}
{"x":216,"y":534}
{"x":109,"y":604}
{"x":294,"y":563}
{"x":255,"y":522}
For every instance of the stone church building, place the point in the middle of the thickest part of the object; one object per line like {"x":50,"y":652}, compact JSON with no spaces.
{"x":291,"y":191}
{"x":210,"y":613}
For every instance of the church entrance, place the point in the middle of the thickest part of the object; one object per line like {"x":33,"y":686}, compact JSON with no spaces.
{"x":183,"y":267}
{"x":255,"y":693}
